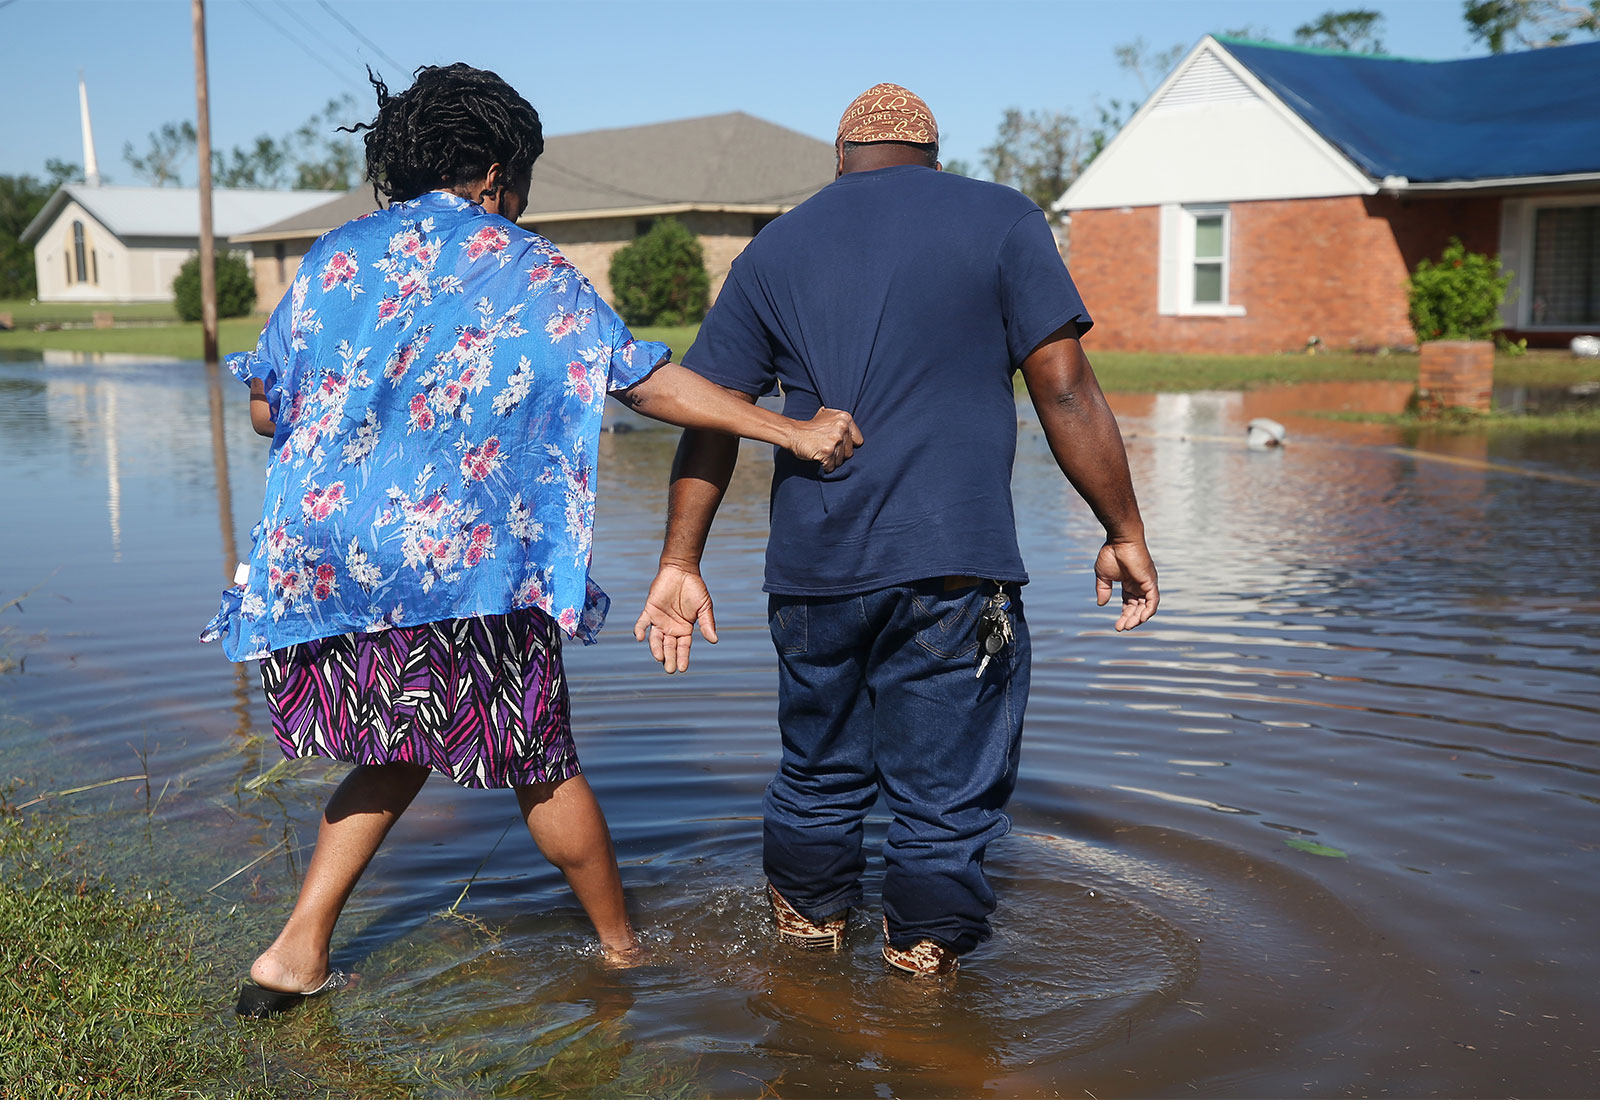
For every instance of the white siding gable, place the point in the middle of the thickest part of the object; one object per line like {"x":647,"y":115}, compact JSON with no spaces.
{"x":1213,"y":133}
{"x":1204,"y":80}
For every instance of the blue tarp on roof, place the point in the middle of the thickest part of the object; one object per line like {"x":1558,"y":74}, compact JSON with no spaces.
{"x":1520,"y":114}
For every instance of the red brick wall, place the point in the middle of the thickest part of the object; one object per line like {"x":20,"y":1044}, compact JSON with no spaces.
{"x":1332,"y":268}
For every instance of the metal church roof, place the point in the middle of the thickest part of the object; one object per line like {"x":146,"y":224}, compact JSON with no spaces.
{"x":135,"y":212}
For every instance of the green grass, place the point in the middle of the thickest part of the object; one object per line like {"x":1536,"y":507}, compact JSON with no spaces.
{"x":1146,"y":373}
{"x":1124,"y":372}
{"x":105,"y":992}
{"x":678,"y":337}
{"x":26,"y":313}
{"x":175,"y":341}
{"x":1567,"y":422}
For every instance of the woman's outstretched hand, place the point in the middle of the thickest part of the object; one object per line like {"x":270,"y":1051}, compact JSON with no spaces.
{"x":830,"y":437}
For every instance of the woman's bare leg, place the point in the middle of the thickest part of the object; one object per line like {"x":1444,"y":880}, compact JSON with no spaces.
{"x":570,"y":830}
{"x":359,"y":815}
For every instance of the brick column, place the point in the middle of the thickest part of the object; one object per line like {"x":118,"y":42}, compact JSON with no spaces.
{"x":1456,"y":374}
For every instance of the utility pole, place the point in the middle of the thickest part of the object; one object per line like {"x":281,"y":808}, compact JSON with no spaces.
{"x":208,"y":297}
{"x":202,"y":129}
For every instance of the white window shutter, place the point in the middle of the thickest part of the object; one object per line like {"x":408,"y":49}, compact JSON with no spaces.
{"x":1169,"y":265}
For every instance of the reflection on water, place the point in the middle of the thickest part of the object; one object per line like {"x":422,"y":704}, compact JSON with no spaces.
{"x":1325,"y":825}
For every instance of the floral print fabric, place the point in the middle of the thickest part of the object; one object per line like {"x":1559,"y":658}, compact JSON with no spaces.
{"x":437,"y":376}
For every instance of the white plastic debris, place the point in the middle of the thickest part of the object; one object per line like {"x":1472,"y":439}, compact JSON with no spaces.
{"x":1265,"y":433}
{"x":1588,"y":347}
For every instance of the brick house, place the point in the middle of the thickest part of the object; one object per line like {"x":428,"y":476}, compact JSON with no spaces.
{"x":722,"y":176}
{"x":1266,"y":195}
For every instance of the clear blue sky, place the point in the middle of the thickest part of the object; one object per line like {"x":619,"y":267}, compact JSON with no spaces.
{"x":588,"y":64}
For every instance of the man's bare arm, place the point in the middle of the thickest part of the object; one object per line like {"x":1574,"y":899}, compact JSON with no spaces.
{"x":678,"y":597}
{"x":1087,"y":445}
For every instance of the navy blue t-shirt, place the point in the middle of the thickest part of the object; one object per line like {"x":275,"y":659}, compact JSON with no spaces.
{"x":906,"y":297}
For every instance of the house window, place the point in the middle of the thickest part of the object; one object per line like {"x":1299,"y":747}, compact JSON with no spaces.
{"x":643,"y":226}
{"x":760,"y":222}
{"x":94,"y":267}
{"x":1566,"y":266}
{"x":1196,"y":262}
{"x":67,"y":254}
{"x":78,"y":252}
{"x":280,"y":254}
{"x":1210,"y":259}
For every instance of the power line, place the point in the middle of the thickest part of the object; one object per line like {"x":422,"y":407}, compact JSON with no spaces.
{"x":353,"y":29}
{"x":318,"y":58}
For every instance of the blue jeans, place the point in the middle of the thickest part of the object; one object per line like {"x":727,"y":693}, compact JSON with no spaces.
{"x":878,"y":691}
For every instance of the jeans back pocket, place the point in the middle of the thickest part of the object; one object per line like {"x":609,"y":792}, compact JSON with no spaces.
{"x":947,"y":623}
{"x":787,"y":620}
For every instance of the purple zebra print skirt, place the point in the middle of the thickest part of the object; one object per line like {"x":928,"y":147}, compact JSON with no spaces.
{"x":481,"y":700}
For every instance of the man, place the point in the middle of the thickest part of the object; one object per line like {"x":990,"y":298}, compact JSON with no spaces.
{"x":907,"y":297}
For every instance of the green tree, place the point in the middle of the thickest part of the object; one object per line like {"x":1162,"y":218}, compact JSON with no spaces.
{"x":236,"y":288}
{"x":167,"y":150}
{"x":660,"y":279}
{"x":1039,"y":153}
{"x":1353,"y":31}
{"x":316,"y":156}
{"x":263,"y":164}
{"x":1503,"y":24}
{"x":21,"y":199}
{"x":1149,"y":67}
{"x":326,"y":158}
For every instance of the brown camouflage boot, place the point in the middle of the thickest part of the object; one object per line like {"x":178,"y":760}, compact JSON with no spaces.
{"x":795,"y":929}
{"x":923,"y":958}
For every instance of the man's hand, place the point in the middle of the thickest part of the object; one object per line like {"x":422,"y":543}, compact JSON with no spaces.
{"x":1127,"y":562}
{"x":830,"y":437}
{"x":678,"y":598}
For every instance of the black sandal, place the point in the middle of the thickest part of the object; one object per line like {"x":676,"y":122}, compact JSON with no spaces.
{"x":259,"y":1002}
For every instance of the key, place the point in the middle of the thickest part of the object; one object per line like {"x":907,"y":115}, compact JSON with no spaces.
{"x":994,"y":629}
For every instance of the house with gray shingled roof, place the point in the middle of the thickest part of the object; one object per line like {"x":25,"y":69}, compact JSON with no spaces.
{"x":723,"y":176}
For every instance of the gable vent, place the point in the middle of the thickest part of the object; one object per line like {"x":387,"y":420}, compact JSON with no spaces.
{"x":1207,"y":80}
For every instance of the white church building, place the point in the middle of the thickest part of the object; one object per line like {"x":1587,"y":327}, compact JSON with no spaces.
{"x":93,"y":243}
{"x":126,"y":244}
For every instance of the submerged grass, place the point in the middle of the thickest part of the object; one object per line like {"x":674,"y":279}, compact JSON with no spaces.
{"x":117,"y":985}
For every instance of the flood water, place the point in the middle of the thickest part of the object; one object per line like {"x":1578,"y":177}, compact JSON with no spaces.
{"x":1328,"y":825}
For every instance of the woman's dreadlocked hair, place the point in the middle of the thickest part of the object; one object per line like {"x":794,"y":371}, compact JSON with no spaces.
{"x":446,"y":130}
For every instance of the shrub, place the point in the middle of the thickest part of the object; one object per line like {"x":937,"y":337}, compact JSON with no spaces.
{"x":236,"y":288}
{"x":660,"y":279}
{"x":1459,"y":297}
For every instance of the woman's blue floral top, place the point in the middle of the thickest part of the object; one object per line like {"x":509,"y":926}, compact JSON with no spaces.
{"x":437,"y":375}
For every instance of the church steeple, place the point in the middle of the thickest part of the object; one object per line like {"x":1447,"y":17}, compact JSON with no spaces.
{"x":91,"y":169}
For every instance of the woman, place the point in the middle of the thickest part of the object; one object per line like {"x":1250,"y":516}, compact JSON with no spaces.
{"x":433,"y":385}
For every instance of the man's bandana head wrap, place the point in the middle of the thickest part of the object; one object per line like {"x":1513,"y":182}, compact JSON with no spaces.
{"x":888,"y":112}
